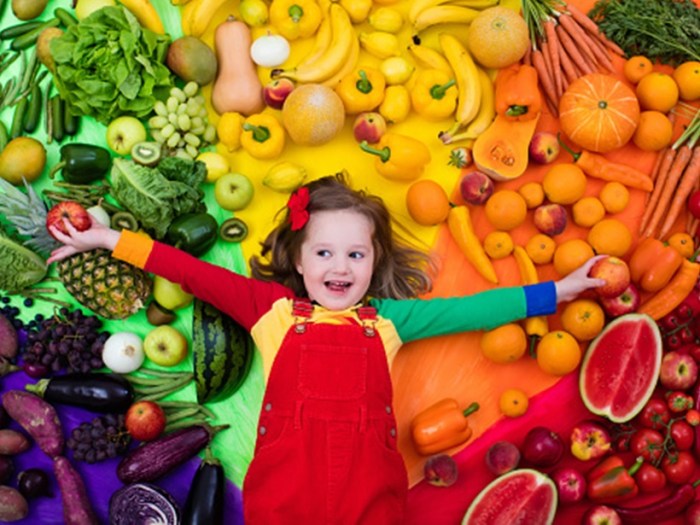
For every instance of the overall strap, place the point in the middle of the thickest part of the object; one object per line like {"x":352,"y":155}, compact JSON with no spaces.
{"x":301,"y":310}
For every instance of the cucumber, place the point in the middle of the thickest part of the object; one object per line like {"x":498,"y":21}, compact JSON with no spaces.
{"x":222,"y":352}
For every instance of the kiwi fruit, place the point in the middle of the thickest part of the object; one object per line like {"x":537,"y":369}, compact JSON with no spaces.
{"x":123,"y":220}
{"x":146,"y":153}
{"x":28,"y":9}
{"x":157,"y":314}
{"x":233,"y":230}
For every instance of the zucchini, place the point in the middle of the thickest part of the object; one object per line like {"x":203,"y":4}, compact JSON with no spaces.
{"x":222,"y":352}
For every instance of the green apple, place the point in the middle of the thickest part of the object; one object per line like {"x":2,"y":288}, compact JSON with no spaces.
{"x":165,"y":346}
{"x":170,"y":295}
{"x":233,"y":191}
{"x":123,"y":132}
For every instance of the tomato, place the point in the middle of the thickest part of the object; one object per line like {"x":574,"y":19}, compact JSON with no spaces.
{"x":655,"y":414}
{"x":693,"y":204}
{"x":683,"y":434}
{"x":649,"y":478}
{"x":692,"y":416}
{"x":678,"y":402}
{"x":680,"y":467}
{"x":647,"y":443}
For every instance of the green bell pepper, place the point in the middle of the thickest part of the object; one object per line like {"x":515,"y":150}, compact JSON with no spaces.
{"x":194,"y":233}
{"x":82,"y":163}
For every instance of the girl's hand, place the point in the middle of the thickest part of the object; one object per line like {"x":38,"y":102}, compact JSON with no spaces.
{"x":578,"y":281}
{"x":97,"y":236}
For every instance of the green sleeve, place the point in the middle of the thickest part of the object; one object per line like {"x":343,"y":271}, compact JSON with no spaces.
{"x":421,"y":318}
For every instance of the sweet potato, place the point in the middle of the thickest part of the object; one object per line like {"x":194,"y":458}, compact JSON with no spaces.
{"x":77,"y":509}
{"x":13,"y":506}
{"x":13,"y":442}
{"x":38,"y":418}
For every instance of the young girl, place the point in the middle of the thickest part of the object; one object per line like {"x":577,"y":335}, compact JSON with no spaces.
{"x":331,"y":301}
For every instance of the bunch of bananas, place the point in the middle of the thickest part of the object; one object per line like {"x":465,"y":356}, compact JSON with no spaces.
{"x":333,"y":55}
{"x":426,"y":13}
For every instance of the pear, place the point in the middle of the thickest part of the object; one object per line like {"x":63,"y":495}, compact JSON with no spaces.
{"x":43,"y":48}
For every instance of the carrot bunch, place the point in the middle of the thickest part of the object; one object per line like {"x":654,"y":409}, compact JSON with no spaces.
{"x":676,"y":175}
{"x":566,"y":45}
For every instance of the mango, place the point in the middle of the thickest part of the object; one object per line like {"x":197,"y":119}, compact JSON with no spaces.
{"x":192,"y":60}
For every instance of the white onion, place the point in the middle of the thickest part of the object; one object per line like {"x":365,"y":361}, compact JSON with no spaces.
{"x":123,"y":352}
{"x":269,"y":50}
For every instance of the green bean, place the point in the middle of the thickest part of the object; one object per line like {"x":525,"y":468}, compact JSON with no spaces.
{"x":4,"y":137}
{"x":6,"y":62}
{"x":29,"y":70}
{"x":29,"y":39}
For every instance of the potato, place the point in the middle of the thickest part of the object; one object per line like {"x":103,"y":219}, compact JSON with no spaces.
{"x":12,"y":442}
{"x":13,"y":506}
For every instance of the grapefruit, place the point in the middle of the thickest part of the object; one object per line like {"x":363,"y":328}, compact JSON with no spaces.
{"x":313,"y":114}
{"x":621,"y":367}
{"x":498,"y":37}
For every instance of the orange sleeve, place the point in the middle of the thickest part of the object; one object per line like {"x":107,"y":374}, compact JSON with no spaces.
{"x":133,"y":248}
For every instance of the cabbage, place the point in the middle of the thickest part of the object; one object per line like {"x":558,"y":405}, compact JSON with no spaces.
{"x":143,"y":504}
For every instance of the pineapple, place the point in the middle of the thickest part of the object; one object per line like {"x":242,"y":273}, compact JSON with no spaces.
{"x":110,"y":288}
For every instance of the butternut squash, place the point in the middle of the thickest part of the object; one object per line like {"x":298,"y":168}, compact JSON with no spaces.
{"x":237,"y":87}
{"x":502,"y":150}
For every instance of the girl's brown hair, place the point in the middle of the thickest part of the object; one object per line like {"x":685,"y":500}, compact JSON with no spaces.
{"x":400,"y":271}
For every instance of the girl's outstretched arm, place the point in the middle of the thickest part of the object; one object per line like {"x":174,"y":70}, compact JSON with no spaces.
{"x":578,"y":281}
{"x":97,"y":236}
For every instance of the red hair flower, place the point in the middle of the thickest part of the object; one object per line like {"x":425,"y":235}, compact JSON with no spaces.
{"x":298,"y":214}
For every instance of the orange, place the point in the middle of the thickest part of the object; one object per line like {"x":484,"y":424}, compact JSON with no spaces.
{"x":657,"y":91}
{"x":505,"y":210}
{"x":583,"y":318}
{"x":571,"y":254}
{"x":558,"y":353}
{"x":504,"y":344}
{"x":687,"y":76}
{"x":587,"y":211}
{"x":611,"y":237}
{"x":683,"y":243}
{"x":636,"y":68}
{"x":427,"y":202}
{"x":540,"y":248}
{"x":498,"y":245}
{"x":513,"y":402}
{"x":654,"y":131}
{"x":533,"y":194}
{"x":614,"y":196}
{"x":564,"y":183}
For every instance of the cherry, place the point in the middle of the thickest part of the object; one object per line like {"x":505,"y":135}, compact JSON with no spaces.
{"x":685,"y":311}
{"x":687,"y":335}
{"x":674,"y":341}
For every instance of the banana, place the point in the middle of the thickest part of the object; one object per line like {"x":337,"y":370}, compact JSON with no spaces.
{"x":380,"y":44}
{"x":475,"y":4}
{"x":467,"y":76}
{"x":322,"y":42}
{"x":202,"y":15}
{"x":334,"y":58}
{"x":429,"y":58}
{"x":348,"y":67}
{"x":146,"y":14}
{"x":444,"y":14}
{"x":418,"y":6}
{"x":483,"y":119}
{"x":284,"y":177}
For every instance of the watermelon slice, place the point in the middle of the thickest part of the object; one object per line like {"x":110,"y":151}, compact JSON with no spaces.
{"x":520,"y":497}
{"x":621,"y":367}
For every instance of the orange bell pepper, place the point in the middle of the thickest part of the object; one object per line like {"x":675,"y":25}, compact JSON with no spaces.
{"x":441,"y":426}
{"x":653,"y":264}
{"x":517,"y":94}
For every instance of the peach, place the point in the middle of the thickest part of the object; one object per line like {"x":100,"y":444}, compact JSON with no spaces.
{"x":277,"y":91}
{"x":616,"y":274}
{"x":369,"y":126}
{"x":550,"y":219}
{"x":476,"y":187}
{"x":440,"y":470}
{"x":502,"y":457}
{"x":544,"y":147}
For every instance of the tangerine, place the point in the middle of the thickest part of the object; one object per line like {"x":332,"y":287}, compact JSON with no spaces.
{"x":654,"y":131}
{"x":583,"y":318}
{"x":513,"y":402}
{"x":558,"y":353}
{"x":533,"y":194}
{"x":504,"y":344}
{"x":636,"y":68}
{"x":571,"y":254}
{"x":498,"y":245}
{"x":427,"y":202}
{"x":588,"y":211}
{"x":615,"y":196}
{"x":540,"y":248}
{"x":657,"y":91}
{"x":610,"y":237}
{"x":687,"y":76}
{"x":505,"y":210}
{"x":683,"y":243}
{"x":564,"y":183}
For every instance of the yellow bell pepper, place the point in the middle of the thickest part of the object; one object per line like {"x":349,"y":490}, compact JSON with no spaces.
{"x":263,"y":136}
{"x":399,"y":157}
{"x":295,"y":19}
{"x":361,"y":90}
{"x":459,"y":223}
{"x":434,"y":94}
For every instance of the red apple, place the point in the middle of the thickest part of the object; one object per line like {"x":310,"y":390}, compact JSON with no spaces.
{"x":277,"y":91}
{"x":616,"y":274}
{"x":679,"y":371}
{"x":571,"y":484}
{"x":601,"y":515}
{"x":625,"y":303}
{"x":544,"y":147}
{"x":145,"y":420}
{"x":476,"y":187}
{"x":440,"y":470}
{"x":74,"y":212}
{"x":550,"y":219}
{"x":369,"y":126}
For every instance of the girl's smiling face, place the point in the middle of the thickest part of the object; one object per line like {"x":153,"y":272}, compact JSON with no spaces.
{"x":336,"y":260}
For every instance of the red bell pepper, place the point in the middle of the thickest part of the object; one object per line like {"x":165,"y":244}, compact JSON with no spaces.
{"x":610,"y":481}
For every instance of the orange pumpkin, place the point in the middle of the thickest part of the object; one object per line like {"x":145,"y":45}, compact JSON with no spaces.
{"x":599,"y":112}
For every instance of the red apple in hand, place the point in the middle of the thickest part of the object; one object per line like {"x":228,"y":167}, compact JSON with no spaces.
{"x":625,"y":303}
{"x":74,"y":212}
{"x":616,"y":274}
{"x":145,"y":420}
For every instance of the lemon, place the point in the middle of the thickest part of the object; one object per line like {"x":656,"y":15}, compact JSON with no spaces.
{"x":396,"y":70}
{"x":229,"y":129}
{"x":386,"y":19}
{"x":216,"y":163}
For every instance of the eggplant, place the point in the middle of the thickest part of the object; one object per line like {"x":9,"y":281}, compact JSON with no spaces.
{"x":99,"y":392}
{"x":205,"y":500}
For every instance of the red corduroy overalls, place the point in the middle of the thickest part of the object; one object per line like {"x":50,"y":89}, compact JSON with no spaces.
{"x":326,"y":448}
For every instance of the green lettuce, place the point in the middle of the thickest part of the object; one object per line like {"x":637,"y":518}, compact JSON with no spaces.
{"x":108,"y":65}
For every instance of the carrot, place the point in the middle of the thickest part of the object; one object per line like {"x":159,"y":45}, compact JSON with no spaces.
{"x":545,"y":79}
{"x":526,"y":58}
{"x":691,"y":174}
{"x":672,"y":178}
{"x":553,"y":44}
{"x":546,"y":55}
{"x":653,"y":199}
{"x":591,"y":27}
{"x":602,"y":53}
{"x":579,"y":36}
{"x":578,"y":59}
{"x":661,"y":156}
{"x":567,"y":66}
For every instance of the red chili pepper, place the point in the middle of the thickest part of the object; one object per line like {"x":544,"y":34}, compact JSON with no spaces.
{"x":610,"y":481}
{"x":661,"y":510}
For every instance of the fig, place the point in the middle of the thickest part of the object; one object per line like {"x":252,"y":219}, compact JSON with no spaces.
{"x":542,"y":447}
{"x":502,"y":457}
{"x":440,"y":470}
